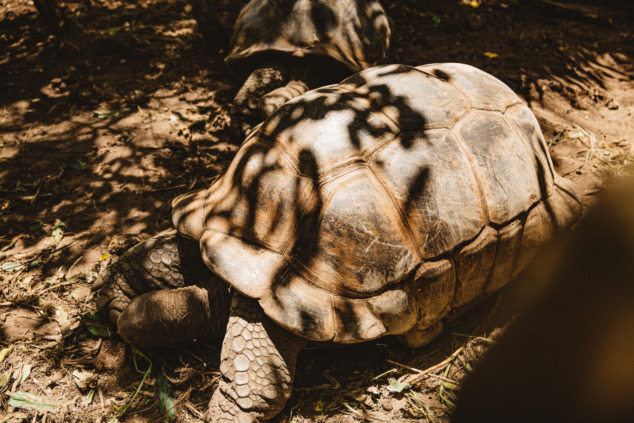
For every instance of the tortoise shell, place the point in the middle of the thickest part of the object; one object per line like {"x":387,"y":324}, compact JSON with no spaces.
{"x":382,"y":203}
{"x":354,"y":33}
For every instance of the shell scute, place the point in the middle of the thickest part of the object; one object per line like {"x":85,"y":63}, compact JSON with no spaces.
{"x":431,"y":177}
{"x":359,"y":248}
{"x":482,"y":90}
{"x":504,"y":168}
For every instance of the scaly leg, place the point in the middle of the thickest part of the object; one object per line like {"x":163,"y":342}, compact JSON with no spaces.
{"x":257,"y":366}
{"x":266,"y":77}
{"x":160,"y":293}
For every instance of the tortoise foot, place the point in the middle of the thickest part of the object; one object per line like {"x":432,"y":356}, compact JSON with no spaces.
{"x":417,"y":338}
{"x":257,"y":366}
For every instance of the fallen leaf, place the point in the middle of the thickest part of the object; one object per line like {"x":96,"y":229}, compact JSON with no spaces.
{"x":491,"y":55}
{"x":98,"y":330}
{"x":5,"y":352}
{"x":84,"y":379}
{"x":35,"y":225}
{"x":58,"y":231}
{"x":26,"y":372}
{"x":8,"y":266}
{"x":28,"y":401}
{"x":4,"y":379}
{"x":90,"y":396}
{"x":396,"y":386}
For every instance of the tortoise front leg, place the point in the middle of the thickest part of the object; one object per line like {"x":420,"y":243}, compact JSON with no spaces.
{"x":266,"y":77}
{"x":275,"y":99}
{"x":257,"y":366}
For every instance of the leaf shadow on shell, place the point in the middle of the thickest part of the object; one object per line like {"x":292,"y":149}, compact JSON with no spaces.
{"x":303,"y":246}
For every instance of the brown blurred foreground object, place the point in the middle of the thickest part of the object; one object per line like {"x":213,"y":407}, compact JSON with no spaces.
{"x":569,"y":357}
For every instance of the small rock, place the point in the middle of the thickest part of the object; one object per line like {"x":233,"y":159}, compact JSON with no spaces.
{"x":613,"y":104}
{"x":84,"y":379}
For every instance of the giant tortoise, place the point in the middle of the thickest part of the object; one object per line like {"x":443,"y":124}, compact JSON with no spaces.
{"x":377,"y":206}
{"x":282,"y":48}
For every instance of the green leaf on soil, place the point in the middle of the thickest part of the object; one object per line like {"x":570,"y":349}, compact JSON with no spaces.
{"x":436,"y":19}
{"x":26,"y":372}
{"x":5,"y":352}
{"x":166,"y":400}
{"x":90,"y":396}
{"x":104,"y":114}
{"x":35,"y":225}
{"x":449,"y":385}
{"x":19,"y":186}
{"x":95,"y":317}
{"x":73,"y":164}
{"x":8,"y":266}
{"x":98,"y":330}
{"x":33,"y":264}
{"x":4,"y":379}
{"x":28,"y":401}
{"x":58,"y":231}
{"x":396,"y":386}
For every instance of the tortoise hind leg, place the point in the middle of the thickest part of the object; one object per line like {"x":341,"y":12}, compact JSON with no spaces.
{"x":257,"y":366}
{"x":160,"y":293}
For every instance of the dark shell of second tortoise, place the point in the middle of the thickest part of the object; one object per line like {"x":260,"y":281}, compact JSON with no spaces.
{"x":354,"y":33}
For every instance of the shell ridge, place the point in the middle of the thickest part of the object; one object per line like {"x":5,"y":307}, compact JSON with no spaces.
{"x":530,"y":152}
{"x":272,"y":142}
{"x":478,"y":178}
{"x":407,"y":233}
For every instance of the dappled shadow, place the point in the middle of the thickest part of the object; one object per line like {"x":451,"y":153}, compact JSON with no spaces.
{"x":530,"y":46}
{"x":101,"y":131}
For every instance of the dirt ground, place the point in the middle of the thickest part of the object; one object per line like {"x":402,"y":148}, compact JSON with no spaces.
{"x":99,"y":132}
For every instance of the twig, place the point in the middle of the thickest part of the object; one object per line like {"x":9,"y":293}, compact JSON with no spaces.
{"x":440,"y":365}
{"x":193,"y":410}
{"x":166,"y":188}
{"x":73,"y":265}
{"x":426,"y":372}
{"x":405,"y":366}
{"x":58,"y":285}
{"x":444,"y":379}
{"x":353,"y":410}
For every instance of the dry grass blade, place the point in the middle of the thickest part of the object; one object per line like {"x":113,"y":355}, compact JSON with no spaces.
{"x":411,"y":379}
{"x":609,"y":159}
